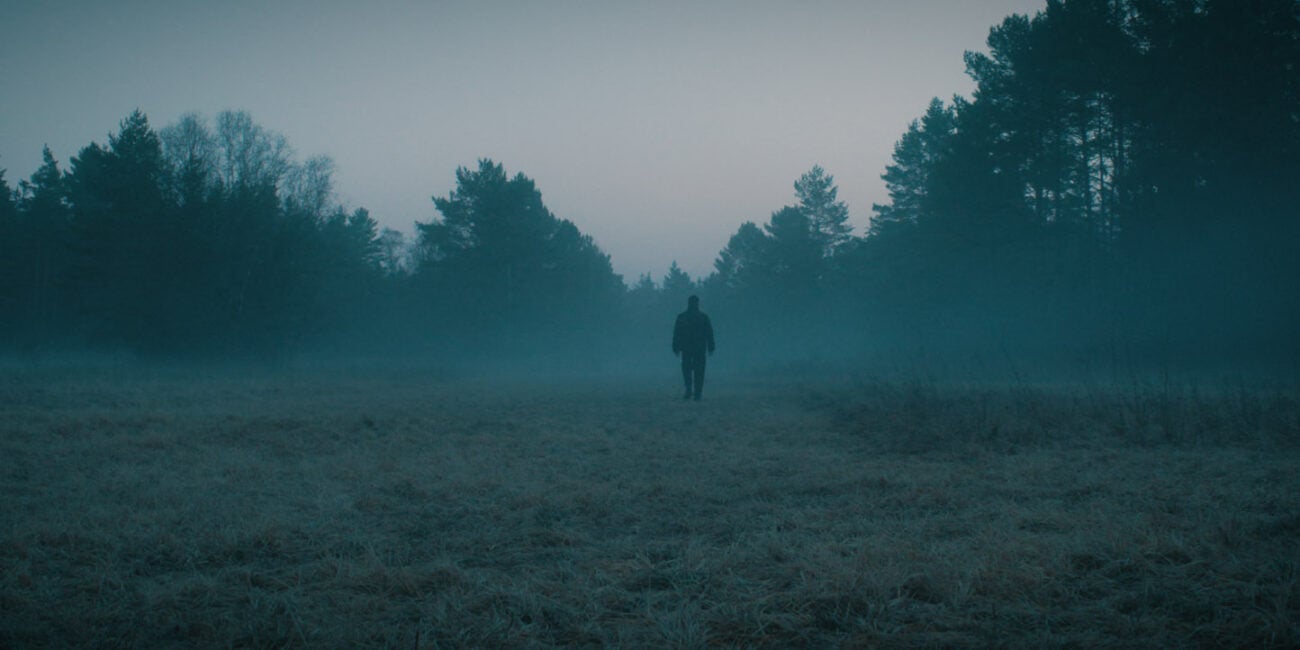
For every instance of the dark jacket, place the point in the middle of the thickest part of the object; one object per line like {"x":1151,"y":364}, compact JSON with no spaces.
{"x":693,"y":333}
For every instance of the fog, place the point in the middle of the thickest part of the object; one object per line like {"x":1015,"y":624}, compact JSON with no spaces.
{"x":1116,"y":196}
{"x":1047,"y":397}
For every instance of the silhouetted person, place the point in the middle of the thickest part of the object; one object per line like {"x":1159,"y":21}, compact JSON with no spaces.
{"x":692,"y":339}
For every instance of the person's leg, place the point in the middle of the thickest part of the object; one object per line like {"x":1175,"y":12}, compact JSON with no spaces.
{"x":699,"y":375}
{"x":686,"y":373}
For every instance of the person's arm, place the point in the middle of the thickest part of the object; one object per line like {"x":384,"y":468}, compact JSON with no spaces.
{"x":708,"y":330}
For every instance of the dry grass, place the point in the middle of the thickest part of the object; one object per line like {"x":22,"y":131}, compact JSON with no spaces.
{"x":364,"y":509}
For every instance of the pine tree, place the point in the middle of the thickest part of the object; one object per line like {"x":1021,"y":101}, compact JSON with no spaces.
{"x":795,"y":250}
{"x":907,"y":178}
{"x":744,"y":261}
{"x":505,"y":261}
{"x":644,"y":288}
{"x":8,"y":212}
{"x":677,"y":284}
{"x":191,"y":156}
{"x":45,"y":194}
{"x":827,"y":216}
{"x":10,"y":263}
{"x":41,"y":240}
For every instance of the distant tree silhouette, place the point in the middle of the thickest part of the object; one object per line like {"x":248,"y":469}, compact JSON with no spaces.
{"x":394,"y":254}
{"x":743,"y":263}
{"x":249,"y":157}
{"x":40,"y":252}
{"x":123,"y":236}
{"x":907,"y":178}
{"x":827,"y":215}
{"x":10,"y":268}
{"x":190,"y":152}
{"x":8,"y":215}
{"x":645,"y":286}
{"x":502,"y":268}
{"x":794,"y":250}
{"x":152,"y":246}
{"x":8,"y":211}
{"x":677,"y":285}
{"x":790,"y":254}
{"x":1105,"y":179}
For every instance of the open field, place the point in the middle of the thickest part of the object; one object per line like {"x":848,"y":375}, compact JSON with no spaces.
{"x":390,"y":509}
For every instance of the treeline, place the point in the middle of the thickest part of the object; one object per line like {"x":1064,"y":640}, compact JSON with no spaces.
{"x":204,"y":239}
{"x":194,"y":239}
{"x":1122,"y":187}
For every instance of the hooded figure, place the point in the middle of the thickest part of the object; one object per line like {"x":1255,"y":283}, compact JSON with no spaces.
{"x":692,"y":339}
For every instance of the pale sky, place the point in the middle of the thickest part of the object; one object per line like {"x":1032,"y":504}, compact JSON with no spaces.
{"x":656,"y":127}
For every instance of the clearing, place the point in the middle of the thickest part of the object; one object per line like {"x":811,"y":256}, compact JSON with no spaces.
{"x":399,"y":508}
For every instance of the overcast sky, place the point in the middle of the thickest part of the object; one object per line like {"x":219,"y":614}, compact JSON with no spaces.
{"x":657,"y":127}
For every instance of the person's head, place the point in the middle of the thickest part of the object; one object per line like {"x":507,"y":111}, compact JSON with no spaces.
{"x":693,"y":303}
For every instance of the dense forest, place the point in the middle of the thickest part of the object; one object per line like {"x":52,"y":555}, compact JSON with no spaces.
{"x":1121,"y":189}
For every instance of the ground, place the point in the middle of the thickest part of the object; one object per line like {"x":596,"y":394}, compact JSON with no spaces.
{"x":349,"y":508}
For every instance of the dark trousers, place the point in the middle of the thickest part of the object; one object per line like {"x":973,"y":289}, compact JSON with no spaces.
{"x":693,"y":371}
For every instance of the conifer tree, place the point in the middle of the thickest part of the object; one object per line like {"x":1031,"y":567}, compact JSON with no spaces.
{"x":826,"y":214}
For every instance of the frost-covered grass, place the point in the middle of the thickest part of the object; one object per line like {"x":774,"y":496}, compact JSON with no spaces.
{"x":345,"y":509}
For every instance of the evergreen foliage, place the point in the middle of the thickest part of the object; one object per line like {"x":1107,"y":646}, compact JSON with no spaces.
{"x":505,"y":274}
{"x":1121,"y":185}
